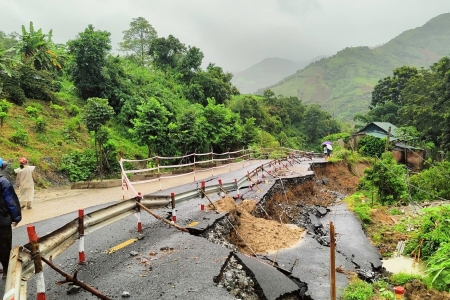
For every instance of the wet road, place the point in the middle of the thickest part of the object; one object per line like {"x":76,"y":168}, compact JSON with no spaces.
{"x":164,"y":263}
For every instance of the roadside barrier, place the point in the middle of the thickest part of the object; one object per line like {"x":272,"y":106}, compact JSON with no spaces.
{"x":23,"y":258}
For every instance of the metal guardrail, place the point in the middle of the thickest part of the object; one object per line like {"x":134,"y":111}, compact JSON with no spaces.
{"x":51,"y":245}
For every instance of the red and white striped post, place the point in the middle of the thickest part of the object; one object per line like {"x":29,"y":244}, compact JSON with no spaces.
{"x":40,"y":282}
{"x":237,"y":189}
{"x":138,"y":214}
{"x":262,"y":172}
{"x":81,"y":256}
{"x":174,"y":213}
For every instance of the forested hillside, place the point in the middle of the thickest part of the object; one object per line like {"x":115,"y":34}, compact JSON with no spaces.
{"x":342,"y":84}
{"x":75,"y":107}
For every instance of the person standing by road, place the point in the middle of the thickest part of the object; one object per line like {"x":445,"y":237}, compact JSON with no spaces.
{"x":329,"y":150}
{"x":325,"y":152}
{"x":25,"y":182}
{"x":10,"y":215}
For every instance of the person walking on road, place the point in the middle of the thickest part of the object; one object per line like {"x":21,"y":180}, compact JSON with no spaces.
{"x":10,"y":215}
{"x":25,"y":182}
{"x":329,"y":150}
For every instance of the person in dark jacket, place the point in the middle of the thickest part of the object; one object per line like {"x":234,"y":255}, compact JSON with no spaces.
{"x":10,"y":215}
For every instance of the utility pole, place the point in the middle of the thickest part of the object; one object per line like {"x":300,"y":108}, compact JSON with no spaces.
{"x":386,"y":148}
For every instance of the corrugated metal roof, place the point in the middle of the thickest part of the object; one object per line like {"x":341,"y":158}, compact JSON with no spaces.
{"x":385,"y":126}
{"x":381,"y":135}
{"x":404,"y":146}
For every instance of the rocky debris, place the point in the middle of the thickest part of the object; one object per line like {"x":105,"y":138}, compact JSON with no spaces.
{"x":218,"y":234}
{"x":73,"y":289}
{"x":236,"y":281}
{"x":134,"y":253}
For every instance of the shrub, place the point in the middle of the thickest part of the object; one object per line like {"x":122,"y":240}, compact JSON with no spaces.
{"x":79,"y":165}
{"x":388,"y":178}
{"x":438,"y":272}
{"x":431,"y":183}
{"x":357,"y":290}
{"x":57,"y":109}
{"x":363,"y":213}
{"x":372,"y":146}
{"x":32,"y":111}
{"x":40,"y":124}
{"x":73,"y":110}
{"x":20,"y":137}
{"x":433,"y":232}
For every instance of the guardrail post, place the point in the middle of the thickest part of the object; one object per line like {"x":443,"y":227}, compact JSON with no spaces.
{"x":36,"y":256}
{"x":237,"y":189}
{"x":229,"y":163}
{"x":251,"y":184}
{"x":159,"y":174}
{"x":262,"y":172}
{"x":203,"y":189}
{"x":81,"y":256}
{"x":194,"y":166}
{"x":138,"y":214}
{"x":174,"y":214}
{"x":12,"y":284}
{"x":212,"y":163}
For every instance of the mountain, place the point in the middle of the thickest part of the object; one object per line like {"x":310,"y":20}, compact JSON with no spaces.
{"x":265,"y":73}
{"x":342,"y":84}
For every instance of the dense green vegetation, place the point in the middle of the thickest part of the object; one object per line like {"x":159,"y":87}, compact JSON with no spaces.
{"x":342,"y":84}
{"x":59,"y":101}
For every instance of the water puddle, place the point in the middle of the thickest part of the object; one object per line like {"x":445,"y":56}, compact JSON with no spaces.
{"x":402,"y":264}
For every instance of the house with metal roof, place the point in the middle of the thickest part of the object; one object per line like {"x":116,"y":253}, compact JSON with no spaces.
{"x":405,"y":154}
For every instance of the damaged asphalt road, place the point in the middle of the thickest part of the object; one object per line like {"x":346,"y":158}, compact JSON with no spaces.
{"x":165,"y":263}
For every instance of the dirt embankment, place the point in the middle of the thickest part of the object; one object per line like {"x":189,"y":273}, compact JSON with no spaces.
{"x":277,"y":228}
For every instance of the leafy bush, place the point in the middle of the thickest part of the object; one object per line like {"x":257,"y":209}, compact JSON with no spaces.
{"x":357,"y":290}
{"x":372,"y":146}
{"x":32,"y":111}
{"x":79,"y":165}
{"x":434,"y":231}
{"x":57,"y":109}
{"x":73,"y":110}
{"x":12,"y":89}
{"x":431,"y":183}
{"x":388,"y":178}
{"x":438,"y":272}
{"x":363,"y":212}
{"x":40,"y":124}
{"x":20,"y":137}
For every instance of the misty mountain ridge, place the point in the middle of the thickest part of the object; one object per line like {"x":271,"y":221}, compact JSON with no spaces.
{"x":264,"y":73}
{"x":342,"y":84}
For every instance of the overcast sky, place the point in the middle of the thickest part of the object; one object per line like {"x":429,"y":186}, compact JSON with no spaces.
{"x":234,"y":34}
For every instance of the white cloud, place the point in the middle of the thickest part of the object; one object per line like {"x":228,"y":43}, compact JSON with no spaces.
{"x":234,"y":34}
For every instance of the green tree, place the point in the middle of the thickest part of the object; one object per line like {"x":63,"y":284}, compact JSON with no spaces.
{"x":150,"y":125}
{"x":167,"y":52}
{"x":37,"y":49}
{"x":388,"y":178}
{"x":97,"y":113}
{"x":89,"y":51}
{"x":138,"y":40}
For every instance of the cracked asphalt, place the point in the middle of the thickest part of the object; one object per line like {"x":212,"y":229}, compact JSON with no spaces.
{"x":164,"y":263}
